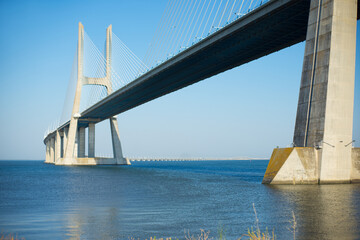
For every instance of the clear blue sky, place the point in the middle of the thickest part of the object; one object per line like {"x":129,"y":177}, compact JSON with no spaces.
{"x":246,"y":111}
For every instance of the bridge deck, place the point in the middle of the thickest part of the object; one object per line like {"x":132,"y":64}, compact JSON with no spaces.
{"x":275,"y":25}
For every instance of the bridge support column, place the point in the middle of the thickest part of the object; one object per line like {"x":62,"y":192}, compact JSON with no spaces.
{"x":65,"y":138}
{"x":52,"y":150}
{"x":76,"y":144}
{"x":72,"y":137}
{"x":47,"y":155}
{"x":91,"y":140}
{"x":61,"y":143}
{"x":71,"y":143}
{"x":81,"y":143}
{"x":115,"y":136}
{"x":324,"y":118}
{"x":57,"y":146}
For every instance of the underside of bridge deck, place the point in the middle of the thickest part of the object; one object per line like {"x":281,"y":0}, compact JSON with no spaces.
{"x":272,"y":27}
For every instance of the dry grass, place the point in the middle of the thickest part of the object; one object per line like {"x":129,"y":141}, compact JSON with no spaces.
{"x":257,"y":234}
{"x":5,"y":236}
{"x":204,"y":235}
{"x":293,"y":225}
{"x":152,"y":238}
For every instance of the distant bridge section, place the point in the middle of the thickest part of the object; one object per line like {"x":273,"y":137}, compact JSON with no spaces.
{"x":146,"y":159}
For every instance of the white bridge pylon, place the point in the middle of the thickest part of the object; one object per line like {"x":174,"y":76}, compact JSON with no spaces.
{"x":67,"y":146}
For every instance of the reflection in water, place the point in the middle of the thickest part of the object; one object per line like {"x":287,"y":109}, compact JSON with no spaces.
{"x":323,"y":211}
{"x":88,"y":221}
{"x":74,"y":227}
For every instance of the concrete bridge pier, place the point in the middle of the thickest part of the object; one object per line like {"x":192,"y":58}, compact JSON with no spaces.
{"x":57,"y":146}
{"x":47,"y":153}
{"x":81,"y":142}
{"x":115,"y":136}
{"x":52,"y":150}
{"x":323,"y":150}
{"x":79,"y":156}
{"x":72,"y":149}
{"x":63,"y":141}
{"x":91,"y":140}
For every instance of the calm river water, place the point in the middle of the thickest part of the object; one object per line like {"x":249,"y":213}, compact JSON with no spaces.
{"x":162,"y":199}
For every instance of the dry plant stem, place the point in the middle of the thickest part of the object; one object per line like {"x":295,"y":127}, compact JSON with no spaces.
{"x":256,"y":220}
{"x":204,"y":235}
{"x":293,"y":223}
{"x":4,"y":236}
{"x":257,"y":235}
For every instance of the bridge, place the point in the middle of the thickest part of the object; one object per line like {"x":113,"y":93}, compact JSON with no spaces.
{"x":322,"y":151}
{"x":145,"y":159}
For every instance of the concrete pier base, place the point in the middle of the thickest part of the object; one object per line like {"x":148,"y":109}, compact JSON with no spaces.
{"x":324,"y":120}
{"x":92,"y":161}
{"x":301,"y":165}
{"x":293,"y":166}
{"x":355,"y":170}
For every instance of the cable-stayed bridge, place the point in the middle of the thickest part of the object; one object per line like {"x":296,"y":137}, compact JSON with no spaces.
{"x":198,"y":39}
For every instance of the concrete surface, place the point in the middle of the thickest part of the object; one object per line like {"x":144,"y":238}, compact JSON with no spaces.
{"x":325,"y":109}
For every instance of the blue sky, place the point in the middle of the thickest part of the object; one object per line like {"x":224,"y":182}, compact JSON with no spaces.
{"x":246,"y":111}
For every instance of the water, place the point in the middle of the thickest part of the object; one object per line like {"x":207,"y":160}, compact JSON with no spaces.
{"x":42,"y":201}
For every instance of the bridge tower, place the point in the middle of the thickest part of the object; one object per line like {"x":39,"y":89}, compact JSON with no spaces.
{"x":323,"y":151}
{"x":70,"y":143}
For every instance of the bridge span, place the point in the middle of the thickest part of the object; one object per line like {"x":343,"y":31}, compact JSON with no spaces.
{"x":323,"y":131}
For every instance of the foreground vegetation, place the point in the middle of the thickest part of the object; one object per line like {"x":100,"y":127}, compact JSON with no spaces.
{"x":252,"y":234}
{"x":4,"y":236}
